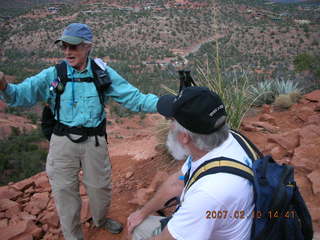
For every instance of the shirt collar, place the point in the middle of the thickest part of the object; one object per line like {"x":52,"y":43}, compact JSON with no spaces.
{"x":75,"y":73}
{"x":216,"y":152}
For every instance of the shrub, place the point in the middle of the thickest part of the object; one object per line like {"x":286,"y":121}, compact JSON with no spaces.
{"x":283,"y":101}
{"x":20,"y":156}
{"x":267,"y":91}
{"x":303,"y":62}
{"x":295,"y":96}
{"x":262,"y":93}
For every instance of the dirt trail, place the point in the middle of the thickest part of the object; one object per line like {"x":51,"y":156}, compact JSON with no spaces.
{"x":196,"y":46}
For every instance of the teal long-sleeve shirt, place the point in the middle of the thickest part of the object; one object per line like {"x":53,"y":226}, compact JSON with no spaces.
{"x":80,"y":104}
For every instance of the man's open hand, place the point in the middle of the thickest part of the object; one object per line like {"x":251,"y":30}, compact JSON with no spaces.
{"x":3,"y":82}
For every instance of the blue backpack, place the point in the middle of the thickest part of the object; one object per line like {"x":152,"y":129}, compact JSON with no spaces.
{"x":280,"y":212}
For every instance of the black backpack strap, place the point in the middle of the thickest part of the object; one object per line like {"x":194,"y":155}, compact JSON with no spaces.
{"x":218,"y":165}
{"x":62,"y":72}
{"x":251,"y":149}
{"x":96,"y":68}
{"x":62,"y":75}
{"x":101,"y":80}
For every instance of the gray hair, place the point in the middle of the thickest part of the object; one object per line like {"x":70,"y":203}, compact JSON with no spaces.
{"x":91,"y":47}
{"x":207,"y":142}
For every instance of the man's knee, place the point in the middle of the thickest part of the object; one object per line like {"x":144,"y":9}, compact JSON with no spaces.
{"x":149,"y":227}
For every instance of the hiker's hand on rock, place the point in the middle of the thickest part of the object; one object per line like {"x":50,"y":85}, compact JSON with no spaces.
{"x":134,"y":220}
{"x":3,"y":82}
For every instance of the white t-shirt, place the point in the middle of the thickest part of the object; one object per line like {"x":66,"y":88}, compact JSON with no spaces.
{"x":218,"y":206}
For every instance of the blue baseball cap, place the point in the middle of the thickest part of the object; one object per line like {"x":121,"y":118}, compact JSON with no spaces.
{"x":76,"y":33}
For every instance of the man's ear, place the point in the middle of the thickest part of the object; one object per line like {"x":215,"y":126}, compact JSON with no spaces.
{"x":184,"y":138}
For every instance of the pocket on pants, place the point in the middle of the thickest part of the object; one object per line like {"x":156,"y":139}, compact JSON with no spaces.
{"x":50,"y":162}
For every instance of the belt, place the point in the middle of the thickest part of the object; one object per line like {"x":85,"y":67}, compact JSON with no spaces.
{"x":84,"y":132}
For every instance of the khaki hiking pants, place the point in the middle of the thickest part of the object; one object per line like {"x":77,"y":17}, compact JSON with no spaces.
{"x":150,"y":227}
{"x":64,"y":161}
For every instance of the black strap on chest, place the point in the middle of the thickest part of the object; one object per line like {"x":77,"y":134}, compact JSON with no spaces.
{"x":101,"y":81}
{"x":100,"y":84}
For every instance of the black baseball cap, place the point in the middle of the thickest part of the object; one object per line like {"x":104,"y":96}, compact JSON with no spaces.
{"x":195,"y":108}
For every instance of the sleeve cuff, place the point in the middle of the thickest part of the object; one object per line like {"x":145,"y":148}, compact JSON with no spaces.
{"x":7,"y":92}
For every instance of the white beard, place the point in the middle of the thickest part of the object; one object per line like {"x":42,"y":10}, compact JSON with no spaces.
{"x":175,"y":148}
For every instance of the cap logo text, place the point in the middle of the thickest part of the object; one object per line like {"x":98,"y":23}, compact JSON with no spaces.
{"x":216,"y":110}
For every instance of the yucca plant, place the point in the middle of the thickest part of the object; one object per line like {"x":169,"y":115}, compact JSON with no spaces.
{"x":285,"y":87}
{"x":266,"y":92}
{"x":262,"y":93}
{"x":232,"y":88}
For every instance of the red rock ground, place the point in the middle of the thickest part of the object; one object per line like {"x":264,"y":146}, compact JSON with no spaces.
{"x":140,"y":164}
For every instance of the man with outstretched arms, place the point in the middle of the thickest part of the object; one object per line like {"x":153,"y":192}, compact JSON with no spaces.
{"x":76,"y":91}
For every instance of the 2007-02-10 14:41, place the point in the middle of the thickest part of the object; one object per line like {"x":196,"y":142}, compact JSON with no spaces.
{"x":221,"y":214}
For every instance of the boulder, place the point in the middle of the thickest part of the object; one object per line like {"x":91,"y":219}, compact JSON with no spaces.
{"x":266,"y":108}
{"x":20,"y":229}
{"x":26,"y":216}
{"x":9,"y":193}
{"x":310,"y":134}
{"x":50,"y":219}
{"x":313,"y":119}
{"x":24,"y":236}
{"x":314,"y":177}
{"x":129,"y":174}
{"x":248,"y":127}
{"x":42,"y":183}
{"x":41,"y":199}
{"x":279,"y":152}
{"x":38,"y":202}
{"x":315,"y":214}
{"x":288,"y":140}
{"x":313,"y":96}
{"x":268,"y":118}
{"x":266,"y":126}
{"x":306,"y":157}
{"x":51,"y":205}
{"x":6,"y":204}
{"x":13,"y":211}
{"x":24,"y":184}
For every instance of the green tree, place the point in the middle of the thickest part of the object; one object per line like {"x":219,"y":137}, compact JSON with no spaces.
{"x":304,"y":62}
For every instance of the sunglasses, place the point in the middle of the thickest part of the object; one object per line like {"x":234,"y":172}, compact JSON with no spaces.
{"x":71,"y":47}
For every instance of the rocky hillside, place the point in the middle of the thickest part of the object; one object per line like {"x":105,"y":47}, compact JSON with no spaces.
{"x":10,"y":123}
{"x":148,"y":40}
{"x":140,"y":164}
